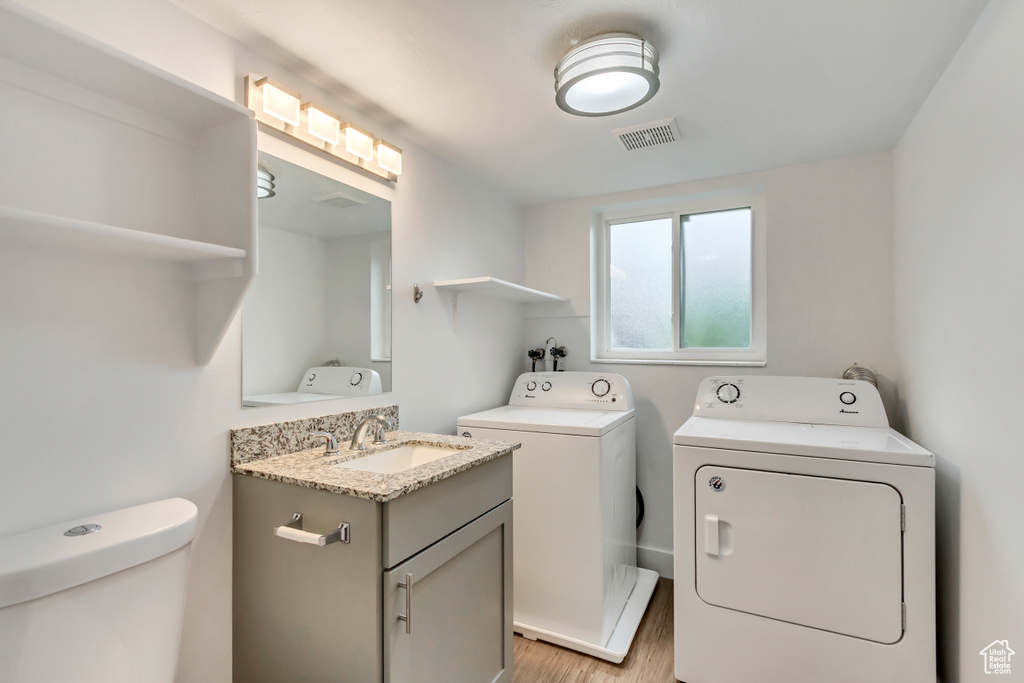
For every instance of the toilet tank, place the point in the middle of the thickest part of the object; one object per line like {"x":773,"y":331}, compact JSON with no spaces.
{"x":89,"y":605}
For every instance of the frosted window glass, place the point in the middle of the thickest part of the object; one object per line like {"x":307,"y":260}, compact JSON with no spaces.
{"x":715,"y":300}
{"x":640,"y":284}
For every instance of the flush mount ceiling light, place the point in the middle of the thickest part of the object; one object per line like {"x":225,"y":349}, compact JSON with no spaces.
{"x":264,"y":183}
{"x":607,"y":74}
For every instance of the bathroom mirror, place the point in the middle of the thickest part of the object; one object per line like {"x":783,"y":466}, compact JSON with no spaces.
{"x":316,"y":322}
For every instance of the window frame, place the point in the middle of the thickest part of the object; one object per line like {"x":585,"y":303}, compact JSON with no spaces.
{"x":755,"y":355}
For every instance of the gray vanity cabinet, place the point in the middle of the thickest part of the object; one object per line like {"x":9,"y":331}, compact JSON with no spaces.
{"x":304,"y":612}
{"x":456,"y":611}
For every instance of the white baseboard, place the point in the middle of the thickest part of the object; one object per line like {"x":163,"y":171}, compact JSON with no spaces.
{"x":657,"y":559}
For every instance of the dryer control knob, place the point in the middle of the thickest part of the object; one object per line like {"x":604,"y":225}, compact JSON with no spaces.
{"x":848,"y":397}
{"x":728,"y":393}
{"x":356,"y":378}
{"x":601,"y":387}
{"x":546,"y":386}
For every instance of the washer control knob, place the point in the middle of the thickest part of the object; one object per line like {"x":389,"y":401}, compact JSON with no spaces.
{"x":357,"y":377}
{"x":546,"y":386}
{"x":601,"y":387}
{"x":848,"y":397}
{"x":530,"y":386}
{"x":728,"y":393}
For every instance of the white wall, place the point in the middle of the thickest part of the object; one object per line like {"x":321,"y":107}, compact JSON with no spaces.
{"x":959,"y":179}
{"x":286,"y":313}
{"x":348,"y":299}
{"x":102,"y":405}
{"x":829,"y":300}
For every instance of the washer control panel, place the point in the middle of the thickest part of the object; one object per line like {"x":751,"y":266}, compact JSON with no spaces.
{"x":582,"y":390}
{"x":340,"y":381}
{"x":810,"y":400}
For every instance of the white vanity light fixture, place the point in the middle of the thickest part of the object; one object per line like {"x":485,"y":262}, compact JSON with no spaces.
{"x":607,"y":74}
{"x":280,"y":109}
{"x":322,"y":124}
{"x":389,"y":157}
{"x":358,"y":141}
{"x":279,"y":101}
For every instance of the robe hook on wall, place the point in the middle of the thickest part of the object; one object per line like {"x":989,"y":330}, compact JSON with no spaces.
{"x":417,"y":293}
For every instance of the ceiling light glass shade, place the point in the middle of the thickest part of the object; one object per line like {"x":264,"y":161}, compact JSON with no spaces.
{"x":606,"y":75}
{"x":358,"y":142}
{"x":322,"y":125}
{"x":264,"y":183}
{"x":389,"y":157}
{"x":279,"y":103}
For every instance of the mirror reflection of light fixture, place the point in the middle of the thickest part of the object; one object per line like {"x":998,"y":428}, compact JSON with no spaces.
{"x":322,"y":124}
{"x":264,"y":183}
{"x":279,"y":101}
{"x":607,"y":74}
{"x":358,"y":141}
{"x":389,"y":157}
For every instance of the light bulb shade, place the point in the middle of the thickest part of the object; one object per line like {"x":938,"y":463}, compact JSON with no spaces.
{"x":322,"y":124}
{"x":264,"y":183}
{"x":389,"y":157}
{"x":358,"y":141}
{"x":279,"y":102}
{"x":605,"y":75}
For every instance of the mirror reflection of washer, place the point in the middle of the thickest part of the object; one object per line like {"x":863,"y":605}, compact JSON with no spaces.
{"x":804,"y":537}
{"x":575,"y":579}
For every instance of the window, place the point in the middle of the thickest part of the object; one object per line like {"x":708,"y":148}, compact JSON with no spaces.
{"x":681,"y":283}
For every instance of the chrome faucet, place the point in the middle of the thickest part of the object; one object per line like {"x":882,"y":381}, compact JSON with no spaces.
{"x":378,"y":423}
{"x":332,"y":443}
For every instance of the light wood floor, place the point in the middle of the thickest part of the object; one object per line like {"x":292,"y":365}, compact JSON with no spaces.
{"x":649,"y":659}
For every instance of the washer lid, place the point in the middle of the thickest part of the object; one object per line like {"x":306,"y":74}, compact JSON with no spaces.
{"x":548,"y":420}
{"x":868,"y":444}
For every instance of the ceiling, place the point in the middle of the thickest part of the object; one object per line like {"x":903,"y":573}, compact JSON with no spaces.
{"x":752,"y":84}
{"x":302,"y":204}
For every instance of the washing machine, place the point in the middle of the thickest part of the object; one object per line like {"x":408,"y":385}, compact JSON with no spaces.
{"x":804,"y":537}
{"x":323,"y":384}
{"x":575,"y":579}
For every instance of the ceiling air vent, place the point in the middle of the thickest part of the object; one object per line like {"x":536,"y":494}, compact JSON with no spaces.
{"x":339,"y":200}
{"x":648,"y":134}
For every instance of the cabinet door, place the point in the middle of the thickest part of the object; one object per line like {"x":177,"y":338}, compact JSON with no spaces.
{"x":459,"y":607}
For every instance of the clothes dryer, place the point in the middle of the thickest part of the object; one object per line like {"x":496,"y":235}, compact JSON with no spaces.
{"x":804,"y":537}
{"x":576,"y":583}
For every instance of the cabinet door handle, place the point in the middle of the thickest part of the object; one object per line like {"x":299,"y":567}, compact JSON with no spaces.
{"x":407,"y":617}
{"x":293,"y":532}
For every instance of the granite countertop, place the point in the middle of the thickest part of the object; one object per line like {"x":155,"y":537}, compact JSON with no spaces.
{"x":316,"y":470}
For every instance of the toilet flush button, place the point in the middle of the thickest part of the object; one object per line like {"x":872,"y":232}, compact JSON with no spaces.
{"x":82,"y":530}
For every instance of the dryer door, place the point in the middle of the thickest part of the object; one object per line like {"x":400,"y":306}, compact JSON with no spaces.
{"x":819,"y":552}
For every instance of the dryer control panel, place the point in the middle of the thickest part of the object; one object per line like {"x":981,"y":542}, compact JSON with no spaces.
{"x":580,"y":390}
{"x":809,"y":400}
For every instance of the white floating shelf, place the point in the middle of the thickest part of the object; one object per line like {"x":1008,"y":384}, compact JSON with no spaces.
{"x":499,"y":289}
{"x":41,"y":228}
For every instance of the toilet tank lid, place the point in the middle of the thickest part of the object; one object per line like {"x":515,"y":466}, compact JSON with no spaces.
{"x":43,"y":561}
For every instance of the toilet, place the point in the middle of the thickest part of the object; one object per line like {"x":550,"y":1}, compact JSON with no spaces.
{"x":100,"y":598}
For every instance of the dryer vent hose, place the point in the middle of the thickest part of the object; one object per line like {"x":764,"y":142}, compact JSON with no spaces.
{"x":639,"y":507}
{"x":862,"y":373}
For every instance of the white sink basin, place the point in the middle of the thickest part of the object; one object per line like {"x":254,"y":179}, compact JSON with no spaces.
{"x":399,"y":459}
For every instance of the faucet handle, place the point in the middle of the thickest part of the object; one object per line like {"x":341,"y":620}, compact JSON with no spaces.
{"x":383,"y":423}
{"x":332,"y":443}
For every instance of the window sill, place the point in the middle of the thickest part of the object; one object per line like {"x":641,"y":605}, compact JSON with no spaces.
{"x":660,"y":361}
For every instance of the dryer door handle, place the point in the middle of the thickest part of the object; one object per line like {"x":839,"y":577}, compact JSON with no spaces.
{"x":711,"y":535}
